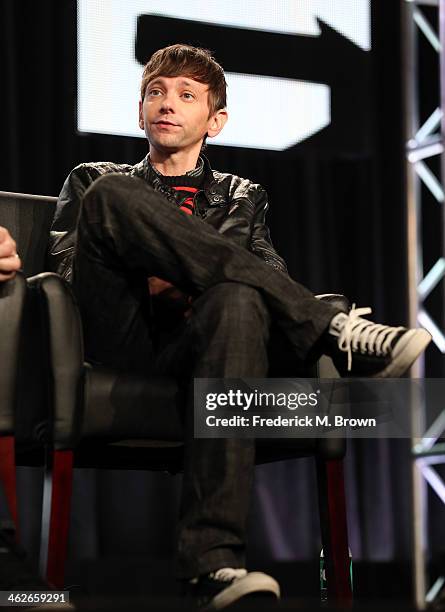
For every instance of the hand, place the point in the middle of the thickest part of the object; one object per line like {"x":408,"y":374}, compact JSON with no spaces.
{"x":164,"y":290}
{"x":9,"y":260}
{"x":157,"y":286}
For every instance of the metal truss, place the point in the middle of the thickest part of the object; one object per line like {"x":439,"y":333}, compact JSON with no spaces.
{"x":424,"y":142}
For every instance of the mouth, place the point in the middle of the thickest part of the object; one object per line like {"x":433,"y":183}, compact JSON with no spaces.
{"x":166,"y":123}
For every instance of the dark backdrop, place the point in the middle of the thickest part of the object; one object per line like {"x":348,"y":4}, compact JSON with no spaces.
{"x":337,"y":218}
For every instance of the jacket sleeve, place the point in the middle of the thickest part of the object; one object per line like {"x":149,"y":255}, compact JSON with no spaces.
{"x":63,"y":230}
{"x":261,"y":243}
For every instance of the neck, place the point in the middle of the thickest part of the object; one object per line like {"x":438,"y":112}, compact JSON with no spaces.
{"x":173,"y":164}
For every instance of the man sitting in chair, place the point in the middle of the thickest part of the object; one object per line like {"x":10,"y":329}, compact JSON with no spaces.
{"x":195,"y":239}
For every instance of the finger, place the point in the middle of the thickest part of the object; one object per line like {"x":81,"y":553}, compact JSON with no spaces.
{"x":7,"y":247}
{"x":10,"y":264}
{"x":5,"y":277}
{"x":4,"y":234}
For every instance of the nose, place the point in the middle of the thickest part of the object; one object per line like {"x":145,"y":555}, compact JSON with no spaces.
{"x":167,"y":103}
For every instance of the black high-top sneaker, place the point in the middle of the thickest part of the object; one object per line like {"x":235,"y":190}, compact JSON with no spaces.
{"x":360,"y":347}
{"x":226,"y":588}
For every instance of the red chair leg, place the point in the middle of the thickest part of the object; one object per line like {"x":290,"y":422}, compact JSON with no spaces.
{"x":62,"y":480}
{"x":334,"y":529}
{"x":7,"y":474}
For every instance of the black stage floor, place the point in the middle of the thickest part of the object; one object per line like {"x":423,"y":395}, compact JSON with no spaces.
{"x":134,"y":583}
{"x":137,"y":585}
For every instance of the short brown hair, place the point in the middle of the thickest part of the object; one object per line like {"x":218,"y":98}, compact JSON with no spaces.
{"x":194,"y":62}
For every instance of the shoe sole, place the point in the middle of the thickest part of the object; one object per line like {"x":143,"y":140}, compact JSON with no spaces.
{"x":408,"y":349}
{"x":254,"y":582}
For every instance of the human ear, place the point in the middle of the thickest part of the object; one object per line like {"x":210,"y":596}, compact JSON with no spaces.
{"x":216,"y":123}
{"x":141,"y":114}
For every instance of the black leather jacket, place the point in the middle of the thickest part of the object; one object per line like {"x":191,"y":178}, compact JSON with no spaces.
{"x":236,"y":207}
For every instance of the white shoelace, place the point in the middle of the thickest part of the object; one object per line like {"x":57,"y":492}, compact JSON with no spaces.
{"x":373,"y":338}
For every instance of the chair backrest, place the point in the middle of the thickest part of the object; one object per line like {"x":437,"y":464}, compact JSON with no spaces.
{"x":28,"y":219}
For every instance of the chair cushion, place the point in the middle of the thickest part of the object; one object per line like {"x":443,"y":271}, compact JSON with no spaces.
{"x":147,"y":413}
{"x":119,"y":405}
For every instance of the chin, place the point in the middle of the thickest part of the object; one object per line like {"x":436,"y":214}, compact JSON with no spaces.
{"x":165,"y":147}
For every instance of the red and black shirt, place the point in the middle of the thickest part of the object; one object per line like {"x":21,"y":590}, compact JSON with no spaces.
{"x":186,"y":185}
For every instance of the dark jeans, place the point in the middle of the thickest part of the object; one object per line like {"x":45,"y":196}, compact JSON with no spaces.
{"x":127,"y":232}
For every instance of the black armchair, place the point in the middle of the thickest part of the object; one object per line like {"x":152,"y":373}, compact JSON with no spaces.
{"x":96,"y":417}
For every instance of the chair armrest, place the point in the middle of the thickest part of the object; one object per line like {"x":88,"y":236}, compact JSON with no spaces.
{"x":60,"y":319}
{"x":331,"y":448}
{"x":12,"y":300}
{"x":326,"y":368}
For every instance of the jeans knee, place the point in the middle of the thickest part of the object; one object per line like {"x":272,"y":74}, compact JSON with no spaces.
{"x":113,"y":191}
{"x":105,"y":186}
{"x":112,"y":181}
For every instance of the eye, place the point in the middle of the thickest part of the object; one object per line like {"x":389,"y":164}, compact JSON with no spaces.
{"x":189,"y":95}
{"x":153,"y":92}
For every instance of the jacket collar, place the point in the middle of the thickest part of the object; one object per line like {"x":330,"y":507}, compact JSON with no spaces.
{"x":145,"y":171}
